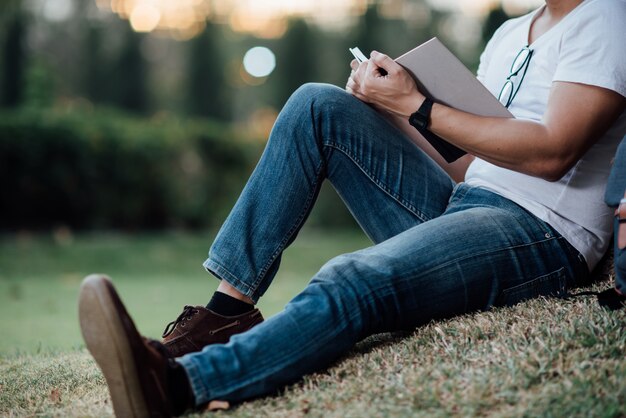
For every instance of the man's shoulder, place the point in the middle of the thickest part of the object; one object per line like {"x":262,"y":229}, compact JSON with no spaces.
{"x":598,"y":23}
{"x":605,"y":5}
{"x":603,"y":10}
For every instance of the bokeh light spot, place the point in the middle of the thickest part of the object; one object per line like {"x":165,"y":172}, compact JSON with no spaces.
{"x":259,"y":61}
{"x":58,"y":10}
{"x":145,"y":18}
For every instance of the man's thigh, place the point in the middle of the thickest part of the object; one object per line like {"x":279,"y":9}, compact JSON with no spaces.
{"x":462,"y":261}
{"x":387,"y":182}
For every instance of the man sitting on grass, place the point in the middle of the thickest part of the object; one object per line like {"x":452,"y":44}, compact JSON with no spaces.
{"x":528,"y":220}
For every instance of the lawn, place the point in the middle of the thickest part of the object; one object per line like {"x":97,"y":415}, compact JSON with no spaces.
{"x":545,"y":357}
{"x":156,"y":275}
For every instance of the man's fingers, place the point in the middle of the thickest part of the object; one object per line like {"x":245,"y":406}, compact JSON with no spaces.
{"x":373,"y":69}
{"x":353,"y":89}
{"x":354,"y":64}
{"x":359,"y":96}
{"x":384,"y":61}
{"x":352,"y":84}
{"x":356,"y":76}
{"x":379,"y":58}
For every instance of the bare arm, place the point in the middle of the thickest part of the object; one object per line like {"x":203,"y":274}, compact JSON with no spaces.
{"x":577,"y":114}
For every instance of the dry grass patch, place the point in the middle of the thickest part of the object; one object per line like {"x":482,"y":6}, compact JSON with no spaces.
{"x":52,"y":384}
{"x":546,"y":357}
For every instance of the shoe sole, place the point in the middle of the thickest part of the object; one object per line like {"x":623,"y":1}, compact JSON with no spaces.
{"x":107,"y":341}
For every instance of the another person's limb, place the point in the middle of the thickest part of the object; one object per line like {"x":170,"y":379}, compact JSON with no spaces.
{"x":615,"y":298}
{"x":615,"y":197}
{"x":620,"y":248}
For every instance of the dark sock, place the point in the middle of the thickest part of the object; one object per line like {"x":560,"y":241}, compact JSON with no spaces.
{"x":180,"y":394}
{"x":225,"y":305}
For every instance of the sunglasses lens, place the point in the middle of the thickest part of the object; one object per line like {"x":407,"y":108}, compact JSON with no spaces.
{"x":505,"y":93}
{"x":520,"y":60}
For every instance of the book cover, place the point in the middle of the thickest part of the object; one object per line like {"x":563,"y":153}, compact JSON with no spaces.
{"x":442,"y":77}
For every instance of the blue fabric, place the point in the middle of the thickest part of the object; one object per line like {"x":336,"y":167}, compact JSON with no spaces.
{"x":615,"y":189}
{"x":439,"y":250}
{"x":619,"y":258}
{"x":616,"y":184}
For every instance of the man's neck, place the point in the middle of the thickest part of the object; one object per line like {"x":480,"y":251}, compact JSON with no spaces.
{"x":557,"y":9}
{"x":549,"y":16}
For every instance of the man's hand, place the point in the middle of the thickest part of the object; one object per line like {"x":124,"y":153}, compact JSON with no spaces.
{"x":383,"y":83}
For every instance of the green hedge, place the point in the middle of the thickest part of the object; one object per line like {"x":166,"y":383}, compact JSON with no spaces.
{"x":88,"y":169}
{"x":102,"y":169}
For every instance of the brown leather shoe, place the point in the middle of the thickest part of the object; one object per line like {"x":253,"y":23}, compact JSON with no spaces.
{"x":135,"y":368}
{"x":198,"y":326}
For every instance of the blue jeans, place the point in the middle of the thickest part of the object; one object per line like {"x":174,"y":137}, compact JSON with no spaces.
{"x":440,"y":249}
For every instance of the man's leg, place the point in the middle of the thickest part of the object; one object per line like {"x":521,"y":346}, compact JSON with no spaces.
{"x":388,"y":184}
{"x":483,"y":251}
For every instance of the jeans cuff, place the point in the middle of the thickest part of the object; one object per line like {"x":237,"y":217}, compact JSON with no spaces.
{"x":222,"y":273}
{"x":200,"y":391}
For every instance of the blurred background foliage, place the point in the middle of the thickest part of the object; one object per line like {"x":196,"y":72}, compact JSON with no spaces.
{"x":122,"y":114}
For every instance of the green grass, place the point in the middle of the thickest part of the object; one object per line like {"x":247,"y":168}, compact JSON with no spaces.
{"x":155,"y":274}
{"x":546,"y":357}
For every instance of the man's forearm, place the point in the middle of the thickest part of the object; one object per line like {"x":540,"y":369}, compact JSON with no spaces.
{"x":520,"y":145}
{"x":576,"y":116}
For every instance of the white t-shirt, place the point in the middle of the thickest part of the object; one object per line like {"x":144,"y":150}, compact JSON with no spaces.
{"x":587,"y":46}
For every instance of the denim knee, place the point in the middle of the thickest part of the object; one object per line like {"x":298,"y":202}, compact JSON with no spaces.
{"x":318,"y":92}
{"x":322,"y":98}
{"x":342,"y":288}
{"x":317,"y":112}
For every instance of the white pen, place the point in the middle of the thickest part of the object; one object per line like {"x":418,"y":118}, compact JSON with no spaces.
{"x":360,"y":57}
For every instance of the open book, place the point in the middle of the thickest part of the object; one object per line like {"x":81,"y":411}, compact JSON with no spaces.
{"x":444,"y":79}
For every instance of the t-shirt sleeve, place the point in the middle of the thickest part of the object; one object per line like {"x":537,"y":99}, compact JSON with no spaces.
{"x":592,"y":51}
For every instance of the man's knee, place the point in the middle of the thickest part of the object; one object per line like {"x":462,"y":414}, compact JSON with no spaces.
{"x":322,"y":96}
{"x":344,"y":278}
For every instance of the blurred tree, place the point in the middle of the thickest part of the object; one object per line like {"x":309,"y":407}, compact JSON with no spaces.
{"x":368,"y":31}
{"x":94,"y":65}
{"x":129,"y":78}
{"x":295,"y":57}
{"x":496,"y":17}
{"x":39,"y":84}
{"x":207,"y":90}
{"x":13,"y":55}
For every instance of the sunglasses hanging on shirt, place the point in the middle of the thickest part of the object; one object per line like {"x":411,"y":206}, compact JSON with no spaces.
{"x":520,"y":65}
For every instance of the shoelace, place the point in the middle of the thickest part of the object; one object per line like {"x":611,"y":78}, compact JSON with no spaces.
{"x":186,"y":314}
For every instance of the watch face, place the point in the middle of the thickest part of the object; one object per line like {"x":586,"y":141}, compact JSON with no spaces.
{"x":417,"y":120}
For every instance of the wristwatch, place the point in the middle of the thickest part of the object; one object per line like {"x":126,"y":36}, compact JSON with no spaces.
{"x":421,"y":118}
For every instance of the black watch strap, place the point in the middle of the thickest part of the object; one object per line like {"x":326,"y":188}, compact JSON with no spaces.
{"x":421,"y":118}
